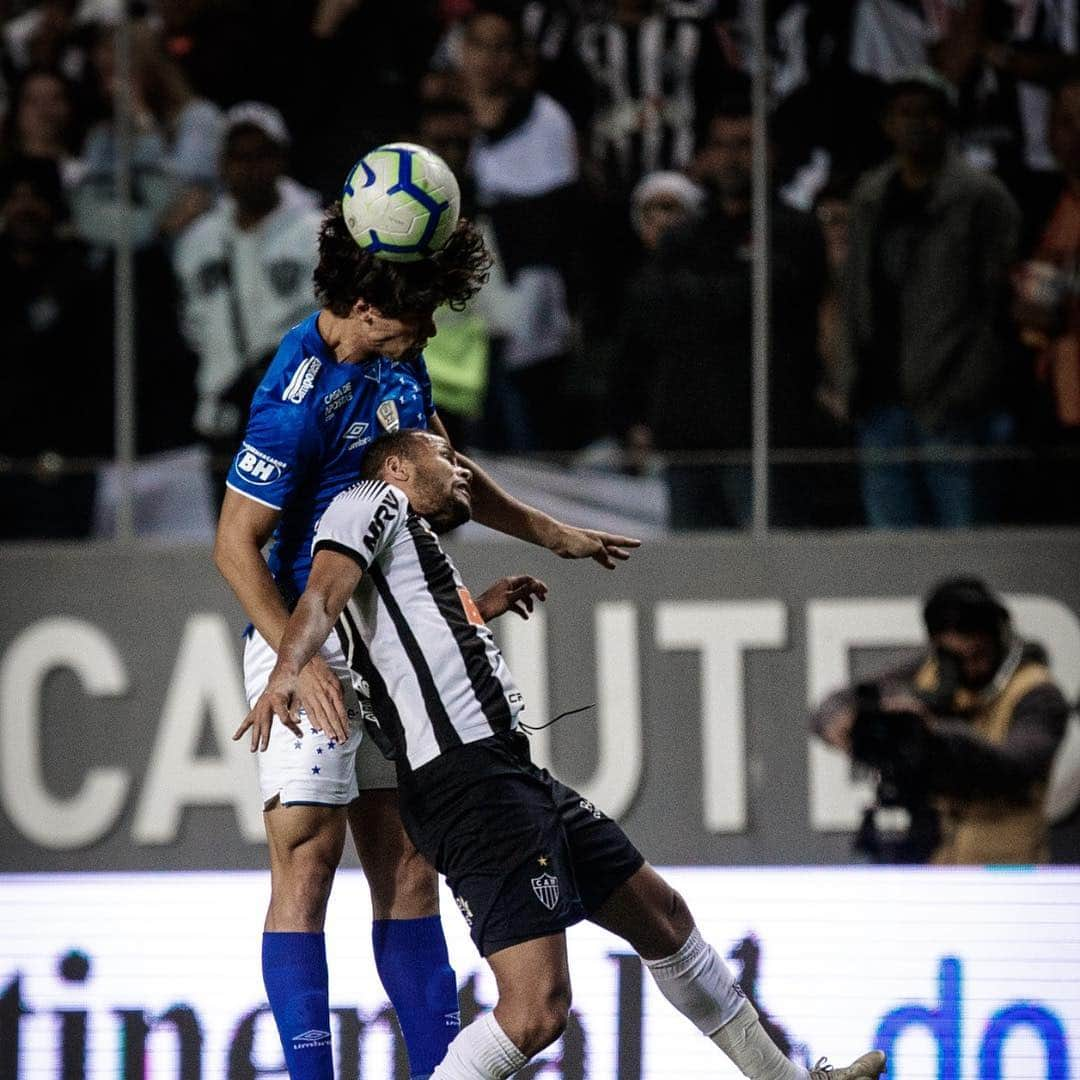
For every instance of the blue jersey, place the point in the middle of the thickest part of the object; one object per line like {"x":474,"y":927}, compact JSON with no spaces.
{"x":311,"y":419}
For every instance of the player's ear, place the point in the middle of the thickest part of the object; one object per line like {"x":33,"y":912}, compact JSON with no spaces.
{"x":396,"y":468}
{"x":362,"y":308}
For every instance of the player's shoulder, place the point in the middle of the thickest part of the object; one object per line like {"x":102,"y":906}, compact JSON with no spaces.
{"x":364,"y":517}
{"x":296,"y":368}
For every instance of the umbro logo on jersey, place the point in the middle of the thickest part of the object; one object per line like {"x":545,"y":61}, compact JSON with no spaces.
{"x":302,"y":381}
{"x":355,"y":436}
{"x":311,"y":1038}
{"x":257,"y":467}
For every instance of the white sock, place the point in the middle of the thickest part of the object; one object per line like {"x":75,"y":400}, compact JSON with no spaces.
{"x":698,"y":983}
{"x":749,"y":1046}
{"x":480,"y":1051}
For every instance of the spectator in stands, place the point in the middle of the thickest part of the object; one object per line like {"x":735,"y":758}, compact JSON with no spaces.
{"x":245,"y":269}
{"x":525,"y":167}
{"x":57,"y":341}
{"x":931,"y":243}
{"x":836,"y":488}
{"x":43,"y":122}
{"x":175,"y":150}
{"x":964,"y":738}
{"x":1047,"y":308}
{"x":683,"y":370}
{"x":653,"y":69}
{"x":660,"y":202}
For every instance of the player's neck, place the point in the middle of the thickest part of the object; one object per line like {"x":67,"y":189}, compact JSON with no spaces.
{"x":345,"y":338}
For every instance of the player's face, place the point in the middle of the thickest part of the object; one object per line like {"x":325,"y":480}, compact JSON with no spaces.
{"x":440,"y":490}
{"x":400,"y":338}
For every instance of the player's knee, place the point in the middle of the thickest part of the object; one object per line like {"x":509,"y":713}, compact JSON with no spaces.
{"x":679,"y":922}
{"x":408,"y":890}
{"x":300,"y":884}
{"x":541,"y":1018}
{"x":418,"y":883}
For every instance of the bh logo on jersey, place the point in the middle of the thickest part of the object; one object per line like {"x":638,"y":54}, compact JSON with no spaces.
{"x":257,"y":467}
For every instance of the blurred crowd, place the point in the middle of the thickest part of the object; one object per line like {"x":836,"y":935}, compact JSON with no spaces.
{"x":924,"y":239}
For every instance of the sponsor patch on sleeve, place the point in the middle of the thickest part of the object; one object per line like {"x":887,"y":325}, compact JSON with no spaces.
{"x":258,"y":468}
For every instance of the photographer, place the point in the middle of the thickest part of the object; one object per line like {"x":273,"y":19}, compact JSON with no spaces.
{"x":962,"y":741}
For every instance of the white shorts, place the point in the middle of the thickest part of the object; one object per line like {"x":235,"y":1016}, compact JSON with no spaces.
{"x":313,"y":769}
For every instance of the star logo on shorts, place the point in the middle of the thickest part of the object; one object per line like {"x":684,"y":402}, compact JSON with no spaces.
{"x":316,"y":770}
{"x":543,"y":860}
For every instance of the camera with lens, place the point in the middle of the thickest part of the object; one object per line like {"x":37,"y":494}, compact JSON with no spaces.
{"x":902,"y":826}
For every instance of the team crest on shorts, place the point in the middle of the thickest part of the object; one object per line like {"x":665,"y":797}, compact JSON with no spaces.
{"x":388,"y":415}
{"x":546,"y":887}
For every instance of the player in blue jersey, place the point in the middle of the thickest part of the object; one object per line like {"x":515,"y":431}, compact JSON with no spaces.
{"x":349,"y":373}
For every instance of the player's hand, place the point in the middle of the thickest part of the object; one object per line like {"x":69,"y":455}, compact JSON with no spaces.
{"x":605,"y":548}
{"x":511,"y":594}
{"x":278,"y":699}
{"x":322,"y":699}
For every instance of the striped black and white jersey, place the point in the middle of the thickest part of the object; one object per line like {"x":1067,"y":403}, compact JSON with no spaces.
{"x":414,"y":639}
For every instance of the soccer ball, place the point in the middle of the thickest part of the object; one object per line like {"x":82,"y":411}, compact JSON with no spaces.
{"x":401,"y":202}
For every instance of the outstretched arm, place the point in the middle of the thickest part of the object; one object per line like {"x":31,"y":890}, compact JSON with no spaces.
{"x":498,"y":510}
{"x":332,"y":580}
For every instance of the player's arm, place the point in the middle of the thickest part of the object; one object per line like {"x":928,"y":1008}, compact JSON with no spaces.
{"x":498,"y":510}
{"x":333,"y":578}
{"x":244,"y":527}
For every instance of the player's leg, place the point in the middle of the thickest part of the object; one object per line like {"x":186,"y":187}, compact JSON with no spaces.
{"x":305,"y":847}
{"x":407,"y":935}
{"x":306,"y":783}
{"x":533,"y":980}
{"x":648,"y":913}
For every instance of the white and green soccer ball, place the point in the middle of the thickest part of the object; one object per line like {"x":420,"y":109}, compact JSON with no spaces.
{"x":401,"y":202}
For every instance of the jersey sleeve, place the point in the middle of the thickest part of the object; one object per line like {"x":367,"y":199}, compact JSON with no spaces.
{"x":271,"y":460}
{"x":361,"y":522}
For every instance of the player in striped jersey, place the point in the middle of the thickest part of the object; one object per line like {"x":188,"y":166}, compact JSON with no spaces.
{"x":525,"y":855}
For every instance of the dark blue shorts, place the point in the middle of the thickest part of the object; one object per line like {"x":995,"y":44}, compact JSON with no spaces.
{"x":524,"y":855}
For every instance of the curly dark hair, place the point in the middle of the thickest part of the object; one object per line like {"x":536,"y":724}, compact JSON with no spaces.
{"x":347,"y":273}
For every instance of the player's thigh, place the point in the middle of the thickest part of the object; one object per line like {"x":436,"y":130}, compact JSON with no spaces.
{"x":403,"y":883}
{"x":648,"y":913}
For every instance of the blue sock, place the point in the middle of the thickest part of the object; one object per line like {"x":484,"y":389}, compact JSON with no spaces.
{"x":298,"y":989}
{"x":413,"y":964}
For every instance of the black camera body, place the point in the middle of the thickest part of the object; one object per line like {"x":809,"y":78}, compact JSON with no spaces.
{"x":902,"y":826}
